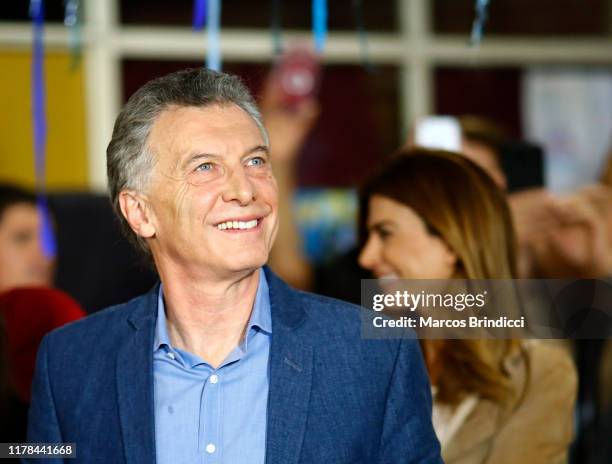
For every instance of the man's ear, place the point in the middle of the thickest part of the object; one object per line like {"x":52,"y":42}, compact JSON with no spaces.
{"x":136,"y":213}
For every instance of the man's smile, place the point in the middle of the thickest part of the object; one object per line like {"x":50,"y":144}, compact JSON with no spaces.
{"x":240,"y":224}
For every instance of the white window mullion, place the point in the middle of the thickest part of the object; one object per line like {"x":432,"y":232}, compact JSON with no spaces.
{"x":102,"y":84}
{"x":248,"y":45}
{"x":416,"y":78}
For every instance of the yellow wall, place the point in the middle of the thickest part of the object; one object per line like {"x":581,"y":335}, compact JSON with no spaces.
{"x":66,"y":147}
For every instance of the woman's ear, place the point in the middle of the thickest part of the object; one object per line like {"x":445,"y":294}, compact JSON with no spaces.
{"x":136,"y":212}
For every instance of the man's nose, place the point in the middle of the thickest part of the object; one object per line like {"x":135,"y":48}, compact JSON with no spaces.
{"x":369,"y":254}
{"x":239,"y":187}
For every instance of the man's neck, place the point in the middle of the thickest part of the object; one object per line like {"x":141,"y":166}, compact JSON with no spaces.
{"x":208,"y":317}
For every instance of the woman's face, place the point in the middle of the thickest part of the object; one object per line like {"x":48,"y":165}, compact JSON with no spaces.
{"x":399,"y":244}
{"x":22,"y":261}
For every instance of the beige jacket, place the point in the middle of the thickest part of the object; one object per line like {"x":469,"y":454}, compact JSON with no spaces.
{"x":537,"y":428}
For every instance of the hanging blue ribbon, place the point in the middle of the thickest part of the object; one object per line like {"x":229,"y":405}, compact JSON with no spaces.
{"x":39,"y":123}
{"x":72,"y":20}
{"x":47,"y":236}
{"x":479,"y":21}
{"x":37,"y":14}
{"x":319,"y":24}
{"x":199,"y":14}
{"x":213,"y":21}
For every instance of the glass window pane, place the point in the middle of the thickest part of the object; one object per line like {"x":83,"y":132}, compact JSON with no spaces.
{"x":19,"y":10}
{"x":526,"y":17}
{"x":494,"y":93}
{"x":66,"y":149}
{"x":378,"y":16}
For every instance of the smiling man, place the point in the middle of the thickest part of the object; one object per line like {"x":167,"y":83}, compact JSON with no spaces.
{"x":221,"y":362}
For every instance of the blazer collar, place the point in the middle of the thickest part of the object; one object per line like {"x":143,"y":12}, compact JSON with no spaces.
{"x":291,"y":363}
{"x":287,"y":310}
{"x":287,"y":313}
{"x":144,"y":310}
{"x":134,"y":375}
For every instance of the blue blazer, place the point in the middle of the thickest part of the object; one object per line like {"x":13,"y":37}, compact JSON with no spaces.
{"x":334,"y":397}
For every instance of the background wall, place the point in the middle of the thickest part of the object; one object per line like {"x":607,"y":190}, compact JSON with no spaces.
{"x":66,"y":147}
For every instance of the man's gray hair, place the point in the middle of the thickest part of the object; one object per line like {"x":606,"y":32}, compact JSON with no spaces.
{"x":128,"y":157}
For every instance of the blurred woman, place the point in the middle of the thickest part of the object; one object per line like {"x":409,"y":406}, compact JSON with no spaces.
{"x":437,"y":215}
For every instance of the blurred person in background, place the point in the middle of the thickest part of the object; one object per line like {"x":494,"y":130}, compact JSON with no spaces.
{"x":535,"y":211}
{"x":558,"y":235}
{"x":29,"y":308}
{"x":565,"y":235}
{"x":22,"y":260}
{"x":288,"y":127}
{"x":13,"y":411}
{"x":579,"y":245}
{"x":482,"y":141}
{"x":437,"y":215}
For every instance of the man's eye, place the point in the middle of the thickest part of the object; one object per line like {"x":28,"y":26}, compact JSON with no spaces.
{"x":257,"y":161}
{"x":23,"y":237}
{"x":384,"y":233}
{"x":204,"y":167}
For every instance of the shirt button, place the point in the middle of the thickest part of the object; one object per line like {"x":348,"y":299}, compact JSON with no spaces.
{"x":210,"y":448}
{"x":170,"y":355}
{"x":214,"y":378}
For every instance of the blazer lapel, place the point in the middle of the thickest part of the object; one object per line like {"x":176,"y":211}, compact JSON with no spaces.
{"x":135,"y":384}
{"x":291,"y":361}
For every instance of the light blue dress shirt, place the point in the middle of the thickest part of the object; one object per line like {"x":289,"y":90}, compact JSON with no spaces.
{"x":207,"y":415}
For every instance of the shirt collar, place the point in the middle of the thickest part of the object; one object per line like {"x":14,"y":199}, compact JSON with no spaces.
{"x":260,"y":316}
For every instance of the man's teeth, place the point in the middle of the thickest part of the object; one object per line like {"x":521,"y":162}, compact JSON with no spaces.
{"x":237,"y":225}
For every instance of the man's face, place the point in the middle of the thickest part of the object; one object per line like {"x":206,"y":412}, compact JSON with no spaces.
{"x":212,"y":195}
